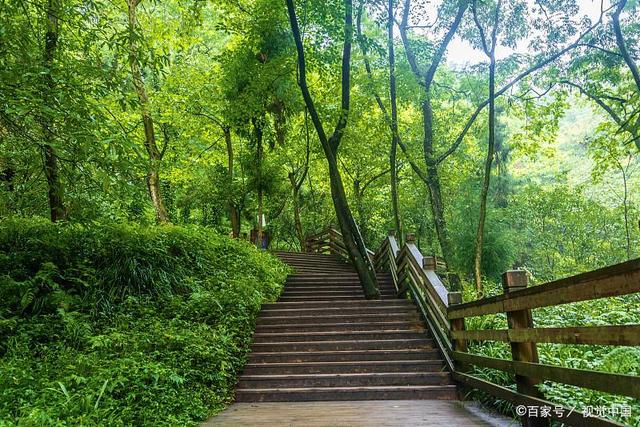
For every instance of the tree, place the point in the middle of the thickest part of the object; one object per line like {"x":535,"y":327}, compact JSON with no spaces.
{"x":390,"y":118}
{"x":489,"y":48}
{"x":352,"y":238}
{"x":425,"y":76}
{"x":56,"y":191}
{"x":154,"y":152}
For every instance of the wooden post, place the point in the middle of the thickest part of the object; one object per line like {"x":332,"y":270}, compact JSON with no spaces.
{"x":429,"y":262}
{"x":515,"y":280}
{"x":392,"y":233}
{"x":457,"y":344}
{"x":411,"y":238}
{"x":454,"y":282}
{"x":454,"y":298}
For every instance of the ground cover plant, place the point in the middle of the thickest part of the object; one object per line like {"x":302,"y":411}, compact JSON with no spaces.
{"x":123,"y":324}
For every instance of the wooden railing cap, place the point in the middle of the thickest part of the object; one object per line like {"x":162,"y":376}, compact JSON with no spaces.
{"x":454,"y":298}
{"x":513,"y":280}
{"x":429,"y":262}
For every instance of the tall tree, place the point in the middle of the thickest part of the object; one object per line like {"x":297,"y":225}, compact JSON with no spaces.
{"x":425,"y":76}
{"x":150,"y":144}
{"x":489,"y":48}
{"x":50,"y":157}
{"x":391,"y":118}
{"x":351,"y":234}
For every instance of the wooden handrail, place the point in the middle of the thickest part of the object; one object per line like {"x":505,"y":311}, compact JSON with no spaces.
{"x":620,"y":279}
{"x":517,"y":303}
{"x":416,"y":276}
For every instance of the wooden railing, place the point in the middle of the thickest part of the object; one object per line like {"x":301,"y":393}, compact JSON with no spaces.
{"x":328,"y":241}
{"x":517,"y":303}
{"x":416,"y":276}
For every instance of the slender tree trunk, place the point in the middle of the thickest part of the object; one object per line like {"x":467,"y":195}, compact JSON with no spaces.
{"x":297,"y":221}
{"x":234,"y":215}
{"x":50,"y":159}
{"x":393,"y":164}
{"x":433,"y":181}
{"x":257,"y":128}
{"x":491,"y":53}
{"x":625,"y":202}
{"x":425,"y":78}
{"x":150,"y":144}
{"x":358,"y":195}
{"x":350,"y":233}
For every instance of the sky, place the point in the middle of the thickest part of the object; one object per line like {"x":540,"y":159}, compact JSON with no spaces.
{"x":461,"y":52}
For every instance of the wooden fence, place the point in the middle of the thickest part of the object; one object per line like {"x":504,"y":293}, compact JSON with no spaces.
{"x":417,"y":277}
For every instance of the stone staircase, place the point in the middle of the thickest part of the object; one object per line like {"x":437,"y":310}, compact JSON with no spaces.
{"x":323,"y":340}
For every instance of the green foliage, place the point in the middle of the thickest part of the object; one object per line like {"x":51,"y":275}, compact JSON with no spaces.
{"x":135,"y":325}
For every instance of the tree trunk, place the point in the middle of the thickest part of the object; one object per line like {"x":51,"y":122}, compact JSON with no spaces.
{"x":296,"y":210}
{"x":625,"y":202}
{"x":491,"y":53}
{"x":350,"y":233}
{"x":155,"y":155}
{"x":393,"y":164}
{"x":50,"y":159}
{"x":433,"y":182}
{"x":358,"y":194}
{"x":234,"y":215}
{"x":257,"y":128}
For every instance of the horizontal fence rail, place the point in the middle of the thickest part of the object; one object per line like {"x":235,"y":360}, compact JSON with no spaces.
{"x":419,"y":277}
{"x":518,"y":302}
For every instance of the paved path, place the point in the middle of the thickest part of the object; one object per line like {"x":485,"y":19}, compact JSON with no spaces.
{"x":369,"y":413}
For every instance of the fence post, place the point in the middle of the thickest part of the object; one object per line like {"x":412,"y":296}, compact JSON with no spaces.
{"x":457,"y":324}
{"x":332,"y":249}
{"x":429,"y":262}
{"x":515,"y":280}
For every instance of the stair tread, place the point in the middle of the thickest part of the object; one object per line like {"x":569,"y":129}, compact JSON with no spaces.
{"x":350,"y":362}
{"x":338,"y":333}
{"x":337,"y":352}
{"x":380,"y":387}
{"x":428,"y":338}
{"x":355,"y":374}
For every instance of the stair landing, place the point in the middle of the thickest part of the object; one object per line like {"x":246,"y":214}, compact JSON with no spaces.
{"x":375,"y":413}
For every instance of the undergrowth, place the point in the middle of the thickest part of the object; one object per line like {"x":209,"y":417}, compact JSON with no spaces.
{"x":123,"y":324}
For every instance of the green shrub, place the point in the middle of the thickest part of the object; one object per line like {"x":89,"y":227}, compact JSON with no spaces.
{"x":122,"y":324}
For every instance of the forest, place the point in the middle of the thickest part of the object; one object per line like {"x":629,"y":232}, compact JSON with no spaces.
{"x":150,"y":150}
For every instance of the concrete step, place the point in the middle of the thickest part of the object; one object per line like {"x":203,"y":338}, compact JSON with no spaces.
{"x":344,"y":335}
{"x":343,"y":356}
{"x":344,"y":380}
{"x":337,"y":293}
{"x":332,"y":298}
{"x":330,"y":279}
{"x":447,"y":392}
{"x":335,"y":327}
{"x":387,"y":344}
{"x":350,"y":367}
{"x":267,"y":337}
{"x":281,"y":317}
{"x":390,"y":308}
{"x":332,"y":284}
{"x":400,"y":303}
